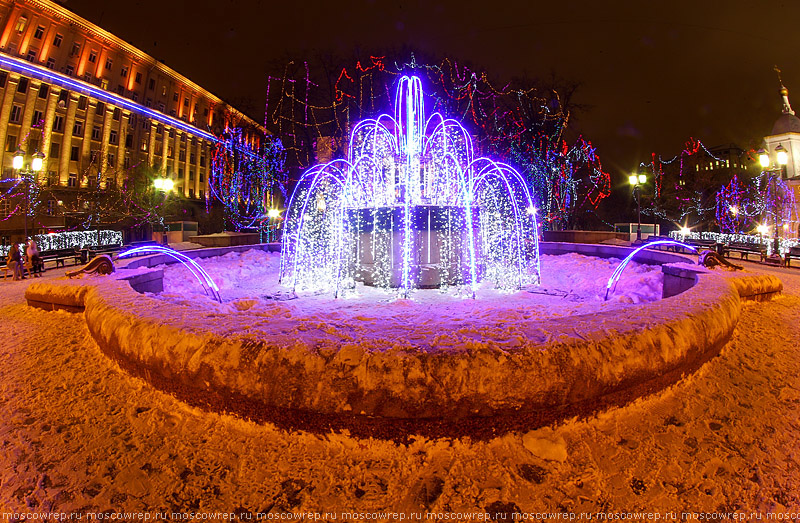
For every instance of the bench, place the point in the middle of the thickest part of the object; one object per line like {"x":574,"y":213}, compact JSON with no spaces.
{"x":104,"y":249}
{"x":744,"y":249}
{"x":60,"y":256}
{"x":793,"y":252}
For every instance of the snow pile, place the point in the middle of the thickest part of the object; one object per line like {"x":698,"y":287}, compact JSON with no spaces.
{"x":571,"y":284}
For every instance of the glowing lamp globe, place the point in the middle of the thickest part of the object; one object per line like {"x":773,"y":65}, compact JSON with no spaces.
{"x":273,"y":213}
{"x":762,"y":229}
{"x":685,"y":231}
{"x":38,"y":162}
{"x":18,"y":160}
{"x":642,"y":178}
{"x":158,"y":183}
{"x":633,"y":179}
{"x":763,"y":158}
{"x":167,"y":184}
{"x":781,"y":155}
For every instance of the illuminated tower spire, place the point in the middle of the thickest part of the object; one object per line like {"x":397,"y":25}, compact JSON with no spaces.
{"x":787,"y":107}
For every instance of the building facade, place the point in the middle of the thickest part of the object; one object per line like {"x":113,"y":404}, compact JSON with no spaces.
{"x":98,"y":109}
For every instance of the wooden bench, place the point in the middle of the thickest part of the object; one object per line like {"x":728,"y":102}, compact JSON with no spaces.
{"x":793,"y":252}
{"x":60,"y":256}
{"x":744,"y":249}
{"x":104,"y":249}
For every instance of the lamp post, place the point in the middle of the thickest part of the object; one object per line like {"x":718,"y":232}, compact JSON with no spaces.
{"x":775,"y":170}
{"x":636,"y":182}
{"x":37,"y":162}
{"x":164,"y":185}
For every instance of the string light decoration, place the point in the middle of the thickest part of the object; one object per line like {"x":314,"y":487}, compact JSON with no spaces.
{"x":524,"y":125}
{"x":611,"y":286}
{"x":410,"y":207}
{"x":72,"y":240}
{"x":249,"y":181}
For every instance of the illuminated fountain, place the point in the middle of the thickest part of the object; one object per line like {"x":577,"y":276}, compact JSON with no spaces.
{"x":411,"y":207}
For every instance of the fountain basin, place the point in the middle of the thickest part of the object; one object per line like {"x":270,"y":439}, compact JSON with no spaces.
{"x":457,"y":371}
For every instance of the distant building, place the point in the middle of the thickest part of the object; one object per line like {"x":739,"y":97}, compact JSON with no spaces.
{"x":98,"y":108}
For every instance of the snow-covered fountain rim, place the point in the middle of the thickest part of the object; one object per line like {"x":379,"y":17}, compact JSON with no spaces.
{"x":566,"y":366}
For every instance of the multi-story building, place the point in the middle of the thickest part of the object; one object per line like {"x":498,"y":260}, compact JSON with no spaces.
{"x":98,"y":108}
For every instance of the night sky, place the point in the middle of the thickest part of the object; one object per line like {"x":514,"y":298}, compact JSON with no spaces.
{"x":652,"y":74}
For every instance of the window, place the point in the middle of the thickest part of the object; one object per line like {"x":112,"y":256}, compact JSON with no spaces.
{"x":192,"y":158}
{"x":191,"y":193}
{"x":104,"y":84}
{"x":116,"y":114}
{"x":22,"y":86}
{"x":52,"y":178}
{"x":120,"y":89}
{"x":77,"y":129}
{"x":113,"y":137}
{"x":144,"y":145}
{"x":124,"y":71}
{"x":11,"y":143}
{"x":43,"y":90}
{"x":5,"y":208}
{"x":111,"y":158}
{"x":82,"y":103}
{"x":161,"y":106}
{"x":74,"y":154}
{"x":128,"y":141}
{"x":51,"y":207}
{"x":93,"y":56}
{"x":169,"y":151}
{"x":182,"y":155}
{"x":138,"y":78}
{"x":31,"y":56}
{"x":57,"y":40}
{"x":202,"y":178}
{"x":51,"y":63}
{"x":58,"y":123}
{"x":202,"y":194}
{"x":100,"y":109}
{"x":126,"y":163}
{"x":3,"y":78}
{"x":148,"y":103}
{"x":109,"y":63}
{"x":33,"y":146}
{"x":16,"y":114}
{"x":76,"y":49}
{"x":55,"y":149}
{"x":22,"y":21}
{"x":73,"y":180}
{"x":39,"y":33}
{"x":96,"y":132}
{"x":202,"y":161}
{"x":37,"y":118}
{"x":186,"y":102}
{"x":191,"y":175}
{"x":175,"y":97}
{"x":135,"y":97}
{"x":151,"y":84}
{"x":70,"y":70}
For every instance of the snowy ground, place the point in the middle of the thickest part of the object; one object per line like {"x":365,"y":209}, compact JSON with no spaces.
{"x":79,"y":435}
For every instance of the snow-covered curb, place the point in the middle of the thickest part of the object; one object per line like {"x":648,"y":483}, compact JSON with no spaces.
{"x":558,"y":362}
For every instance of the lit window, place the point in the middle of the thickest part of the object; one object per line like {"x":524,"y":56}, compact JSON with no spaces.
{"x":22,"y":21}
{"x":103,"y":84}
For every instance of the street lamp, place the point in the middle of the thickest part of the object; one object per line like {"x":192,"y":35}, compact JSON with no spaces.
{"x":637,"y":181}
{"x":37,"y":162}
{"x":163,"y":184}
{"x":776,"y":170}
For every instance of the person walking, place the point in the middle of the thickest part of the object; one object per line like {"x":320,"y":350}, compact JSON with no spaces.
{"x":14,"y":262}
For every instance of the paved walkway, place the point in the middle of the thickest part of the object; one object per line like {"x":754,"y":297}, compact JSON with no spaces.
{"x":78,"y":434}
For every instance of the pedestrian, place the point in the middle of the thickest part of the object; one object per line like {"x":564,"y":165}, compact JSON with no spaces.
{"x":14,"y":262}
{"x":34,"y":258}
